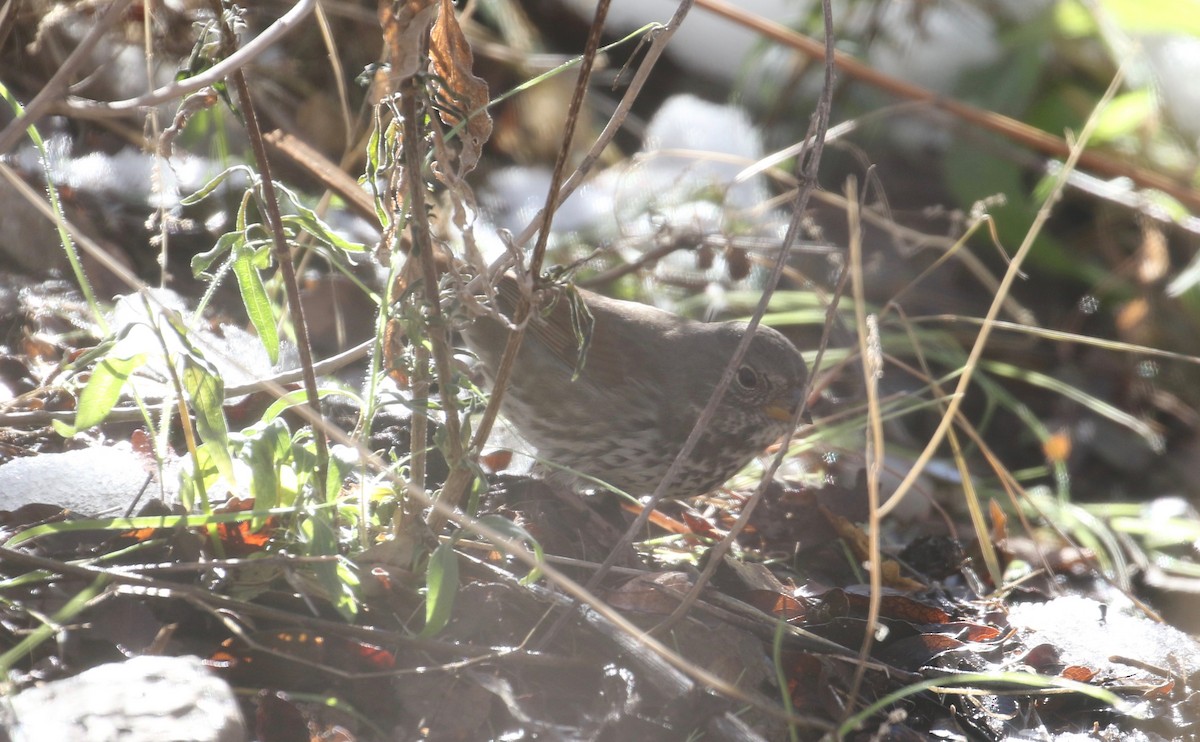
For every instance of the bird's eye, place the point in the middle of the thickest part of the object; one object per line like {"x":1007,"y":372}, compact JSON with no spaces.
{"x":746,"y":378}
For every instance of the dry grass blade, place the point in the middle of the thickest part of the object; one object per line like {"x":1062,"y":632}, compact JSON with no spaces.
{"x":1005,"y":286}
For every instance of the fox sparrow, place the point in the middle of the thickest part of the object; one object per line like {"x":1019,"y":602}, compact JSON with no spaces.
{"x":614,"y":395}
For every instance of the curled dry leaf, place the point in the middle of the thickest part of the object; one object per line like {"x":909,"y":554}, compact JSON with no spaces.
{"x":405,"y":27}
{"x":452,"y":60}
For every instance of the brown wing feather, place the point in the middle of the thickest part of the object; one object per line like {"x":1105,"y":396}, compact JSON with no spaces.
{"x":568,"y":330}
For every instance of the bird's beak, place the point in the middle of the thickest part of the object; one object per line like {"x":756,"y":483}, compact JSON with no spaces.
{"x":780,"y":412}
{"x":786,"y":411}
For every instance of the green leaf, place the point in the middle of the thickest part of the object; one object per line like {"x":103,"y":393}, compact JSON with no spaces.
{"x":323,"y":233}
{"x":338,"y":470}
{"x":441,"y":588}
{"x":1127,"y":113}
{"x":254,"y":297}
{"x":1010,"y":84}
{"x":336,"y":580}
{"x":299,"y":397}
{"x":225,"y":243}
{"x":194,"y":485}
{"x":206,"y":392}
{"x":1074,"y":21}
{"x":1158,"y":17}
{"x":308,"y":220}
{"x":346,"y":601}
{"x":1134,"y":17}
{"x":268,"y":452}
{"x":207,"y":189}
{"x":101,"y":393}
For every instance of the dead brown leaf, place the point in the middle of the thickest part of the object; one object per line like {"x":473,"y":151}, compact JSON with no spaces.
{"x":405,"y":32}
{"x":856,"y":540}
{"x":452,"y":60}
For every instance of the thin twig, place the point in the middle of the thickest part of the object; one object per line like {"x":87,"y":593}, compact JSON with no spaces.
{"x":81,"y":108}
{"x":458,"y":479}
{"x":553,"y":197}
{"x":283,"y":255}
{"x":523,"y":308}
{"x":205,"y":596}
{"x":504,"y":368}
{"x":58,"y":82}
{"x":1028,"y":136}
{"x":661,"y":37}
{"x":807,"y":165}
{"x":1010,"y":275}
{"x":411,"y":92}
{"x":870,"y":355}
